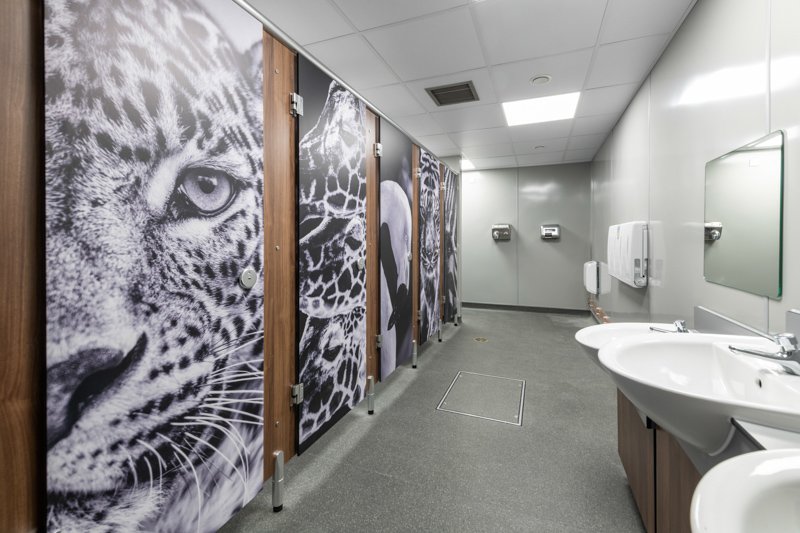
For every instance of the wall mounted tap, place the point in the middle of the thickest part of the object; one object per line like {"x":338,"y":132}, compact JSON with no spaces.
{"x":788,"y":354}
{"x":680,"y":327}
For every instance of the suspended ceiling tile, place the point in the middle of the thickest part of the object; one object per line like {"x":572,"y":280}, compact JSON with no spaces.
{"x":439,"y":44}
{"x":352,"y":59}
{"x":629,"y":19}
{"x":471,"y":118}
{"x":568,"y":72}
{"x":494,"y":150}
{"x":541,"y":131}
{"x":625,"y":61}
{"x":579,"y":155}
{"x":481,"y":137}
{"x":513,"y":30}
{"x":480,"y":80}
{"x":394,"y":100}
{"x":594,"y":124}
{"x":420,"y":125}
{"x":540,"y":159}
{"x":586,"y":142}
{"x":541,"y":147}
{"x":441,"y":145}
{"x":292,"y":18}
{"x":613,"y":99}
{"x":366,"y":14}
{"x":495,"y":162}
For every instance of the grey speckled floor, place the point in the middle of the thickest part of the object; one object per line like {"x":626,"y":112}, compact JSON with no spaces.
{"x":412,"y":468}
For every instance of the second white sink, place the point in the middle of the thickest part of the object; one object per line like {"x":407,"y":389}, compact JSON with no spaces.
{"x":756,"y":492}
{"x":593,"y":338}
{"x":692,"y":385}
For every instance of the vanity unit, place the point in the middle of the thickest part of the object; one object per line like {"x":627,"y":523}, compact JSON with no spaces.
{"x":688,"y":402}
{"x":661,"y":475}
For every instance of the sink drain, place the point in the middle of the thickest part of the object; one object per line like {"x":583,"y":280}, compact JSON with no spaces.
{"x":481,"y":339}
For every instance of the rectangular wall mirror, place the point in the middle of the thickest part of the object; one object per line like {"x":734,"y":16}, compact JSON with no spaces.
{"x":744,"y":217}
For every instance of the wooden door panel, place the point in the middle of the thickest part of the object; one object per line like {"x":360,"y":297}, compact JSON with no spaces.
{"x":280,"y":241}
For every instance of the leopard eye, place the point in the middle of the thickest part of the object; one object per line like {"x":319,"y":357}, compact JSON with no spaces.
{"x":204,"y":192}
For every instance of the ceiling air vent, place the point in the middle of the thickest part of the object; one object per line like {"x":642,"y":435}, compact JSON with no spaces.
{"x":455,"y":93}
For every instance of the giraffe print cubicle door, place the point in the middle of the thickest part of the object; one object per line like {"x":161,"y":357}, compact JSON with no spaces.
{"x":331,"y":251}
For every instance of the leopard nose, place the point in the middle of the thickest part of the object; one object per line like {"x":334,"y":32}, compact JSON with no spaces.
{"x":74,"y":383}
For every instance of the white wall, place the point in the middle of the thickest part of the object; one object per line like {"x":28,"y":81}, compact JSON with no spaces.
{"x":526,"y":271}
{"x":752,"y":46}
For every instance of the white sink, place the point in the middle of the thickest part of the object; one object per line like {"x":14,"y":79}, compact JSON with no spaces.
{"x":595,"y":337}
{"x":756,"y":492}
{"x":692,"y":385}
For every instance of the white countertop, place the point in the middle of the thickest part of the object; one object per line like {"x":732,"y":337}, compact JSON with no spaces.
{"x":770,"y":438}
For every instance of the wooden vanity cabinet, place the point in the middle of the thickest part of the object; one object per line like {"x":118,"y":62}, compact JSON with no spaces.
{"x":676,"y":479}
{"x":661,"y":476}
{"x":636,"y":447}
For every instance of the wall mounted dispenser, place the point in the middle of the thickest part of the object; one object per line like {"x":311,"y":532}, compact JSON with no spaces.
{"x":550,"y":232}
{"x":501,"y":232}
{"x":627,"y":253}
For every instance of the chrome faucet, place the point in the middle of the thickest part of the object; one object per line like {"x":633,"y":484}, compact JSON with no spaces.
{"x":680,"y":327}
{"x":788,"y":354}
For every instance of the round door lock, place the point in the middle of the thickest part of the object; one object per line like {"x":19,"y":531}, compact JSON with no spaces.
{"x":361,"y":263}
{"x":248,"y":278}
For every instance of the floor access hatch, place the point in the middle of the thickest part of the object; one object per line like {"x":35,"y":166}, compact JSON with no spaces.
{"x":487,"y":397}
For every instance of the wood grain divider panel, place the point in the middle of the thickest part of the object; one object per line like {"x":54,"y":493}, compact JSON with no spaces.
{"x":635,"y":444}
{"x":22,"y":329}
{"x":373,"y":231}
{"x":280,"y":251}
{"x":415,"y":287}
{"x":676,"y":478}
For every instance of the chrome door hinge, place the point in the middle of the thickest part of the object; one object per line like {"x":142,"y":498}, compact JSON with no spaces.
{"x":378,"y":341}
{"x":296,"y":104}
{"x":297,"y":394}
{"x":378,"y":149}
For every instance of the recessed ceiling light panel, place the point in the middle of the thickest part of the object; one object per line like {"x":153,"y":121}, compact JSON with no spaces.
{"x":544,"y":109}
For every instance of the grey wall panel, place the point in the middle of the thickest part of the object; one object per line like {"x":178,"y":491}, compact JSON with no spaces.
{"x":620,"y":193}
{"x":551,"y":271}
{"x":687,"y":125}
{"x":489,"y":268}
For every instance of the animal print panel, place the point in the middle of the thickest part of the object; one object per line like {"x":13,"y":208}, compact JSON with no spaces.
{"x":450,"y":245}
{"x":429,"y":236}
{"x":331,"y":251}
{"x":395,"y":248}
{"x":154,"y":169}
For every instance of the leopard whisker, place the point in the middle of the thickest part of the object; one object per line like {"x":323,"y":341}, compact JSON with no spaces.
{"x":239,"y":411}
{"x":231,"y":342}
{"x":225,"y":458}
{"x":237,"y":348}
{"x":150,"y":470}
{"x":245,"y":391}
{"x":224,"y":368}
{"x":133,"y":471}
{"x":196,"y":478}
{"x":257,"y":401}
{"x":238,"y":443}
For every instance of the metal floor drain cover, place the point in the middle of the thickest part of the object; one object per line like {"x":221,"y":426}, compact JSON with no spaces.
{"x":488,"y":397}
{"x":481,"y":339}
